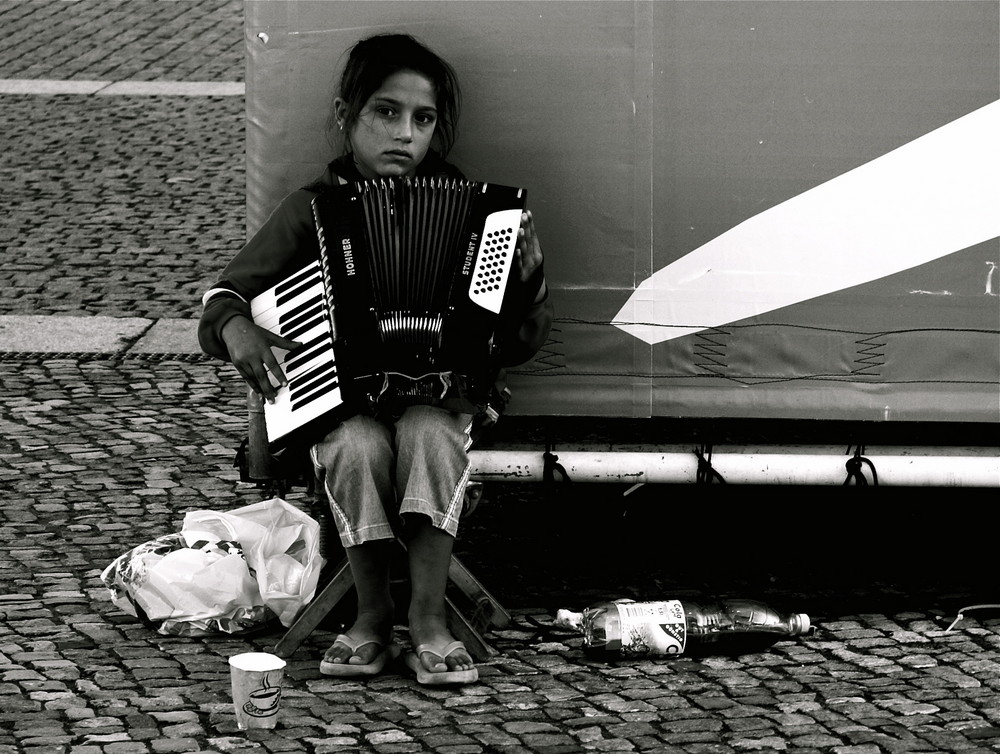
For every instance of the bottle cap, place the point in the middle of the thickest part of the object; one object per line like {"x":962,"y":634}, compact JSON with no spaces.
{"x":800,"y":621}
{"x":569,"y":619}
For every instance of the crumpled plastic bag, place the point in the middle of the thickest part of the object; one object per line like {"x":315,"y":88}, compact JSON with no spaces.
{"x":187,"y":591}
{"x":281,"y":545}
{"x":226,"y":571}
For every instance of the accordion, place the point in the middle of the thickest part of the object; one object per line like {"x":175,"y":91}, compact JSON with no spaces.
{"x":406,"y":293}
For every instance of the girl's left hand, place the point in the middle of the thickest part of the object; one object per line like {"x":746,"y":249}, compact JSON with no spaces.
{"x":528,"y":251}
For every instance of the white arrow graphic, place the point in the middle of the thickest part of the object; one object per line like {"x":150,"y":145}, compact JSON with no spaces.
{"x":926,"y":199}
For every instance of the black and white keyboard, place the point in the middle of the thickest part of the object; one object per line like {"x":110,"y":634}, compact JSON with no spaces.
{"x":296,"y":309}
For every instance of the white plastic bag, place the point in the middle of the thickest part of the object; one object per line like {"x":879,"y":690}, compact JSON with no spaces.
{"x":188,"y":591}
{"x":281,"y":546}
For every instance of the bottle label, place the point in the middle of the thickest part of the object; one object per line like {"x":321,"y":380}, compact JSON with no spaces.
{"x":652,"y":628}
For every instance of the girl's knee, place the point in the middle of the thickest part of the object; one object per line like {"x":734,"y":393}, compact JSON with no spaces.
{"x":419,"y":423}
{"x":360,"y":441}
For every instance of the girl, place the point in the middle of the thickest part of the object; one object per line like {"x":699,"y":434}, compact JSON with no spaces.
{"x":403,"y":470}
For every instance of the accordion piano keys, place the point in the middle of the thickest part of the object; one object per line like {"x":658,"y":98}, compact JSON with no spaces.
{"x":295,"y":309}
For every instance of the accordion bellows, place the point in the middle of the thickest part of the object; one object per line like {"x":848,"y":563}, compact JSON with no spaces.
{"x":410,"y":281}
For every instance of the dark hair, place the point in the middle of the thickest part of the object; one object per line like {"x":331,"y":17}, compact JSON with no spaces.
{"x":371,"y":61}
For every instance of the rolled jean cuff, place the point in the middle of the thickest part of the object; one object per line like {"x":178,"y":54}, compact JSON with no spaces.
{"x":351,"y":536}
{"x":441,"y":521}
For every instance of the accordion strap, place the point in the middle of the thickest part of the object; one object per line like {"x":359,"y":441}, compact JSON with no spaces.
{"x":464,"y":393}
{"x":444,"y":377}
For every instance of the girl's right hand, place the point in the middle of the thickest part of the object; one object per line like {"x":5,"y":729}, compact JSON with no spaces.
{"x":249,"y":348}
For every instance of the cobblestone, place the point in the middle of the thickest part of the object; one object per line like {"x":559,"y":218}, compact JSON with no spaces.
{"x":126,"y":207}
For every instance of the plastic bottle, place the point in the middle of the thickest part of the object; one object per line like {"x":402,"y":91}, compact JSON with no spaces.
{"x":672,"y":627}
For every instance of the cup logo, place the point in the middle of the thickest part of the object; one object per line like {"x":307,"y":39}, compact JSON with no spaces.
{"x":263,"y":701}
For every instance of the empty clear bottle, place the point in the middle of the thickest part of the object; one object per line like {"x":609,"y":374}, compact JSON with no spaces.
{"x":672,"y":627}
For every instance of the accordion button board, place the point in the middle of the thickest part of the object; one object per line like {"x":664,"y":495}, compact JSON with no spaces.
{"x":494,"y":259}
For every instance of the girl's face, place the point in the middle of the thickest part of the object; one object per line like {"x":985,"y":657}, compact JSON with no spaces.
{"x":394,"y":128}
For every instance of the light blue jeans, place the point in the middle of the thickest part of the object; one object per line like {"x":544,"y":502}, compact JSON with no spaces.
{"x":374,"y":472}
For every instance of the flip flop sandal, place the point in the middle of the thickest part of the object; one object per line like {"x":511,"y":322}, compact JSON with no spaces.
{"x":427,"y":677}
{"x":357,"y":670}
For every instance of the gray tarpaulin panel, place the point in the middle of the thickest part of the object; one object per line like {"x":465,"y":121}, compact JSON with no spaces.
{"x":748,"y":209}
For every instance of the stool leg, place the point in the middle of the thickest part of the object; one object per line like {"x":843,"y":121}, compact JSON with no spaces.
{"x":466,"y":633}
{"x":313,"y":613}
{"x":488,"y":611}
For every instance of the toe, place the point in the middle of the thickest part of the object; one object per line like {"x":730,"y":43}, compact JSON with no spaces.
{"x":459,"y":661}
{"x":337,"y":653}
{"x":356,"y":654}
{"x":433,"y":663}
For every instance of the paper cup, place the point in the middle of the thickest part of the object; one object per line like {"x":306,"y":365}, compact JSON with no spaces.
{"x":256,"y":678}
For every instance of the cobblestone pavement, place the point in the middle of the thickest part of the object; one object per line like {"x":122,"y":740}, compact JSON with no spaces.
{"x":135,"y":201}
{"x":125,"y":207}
